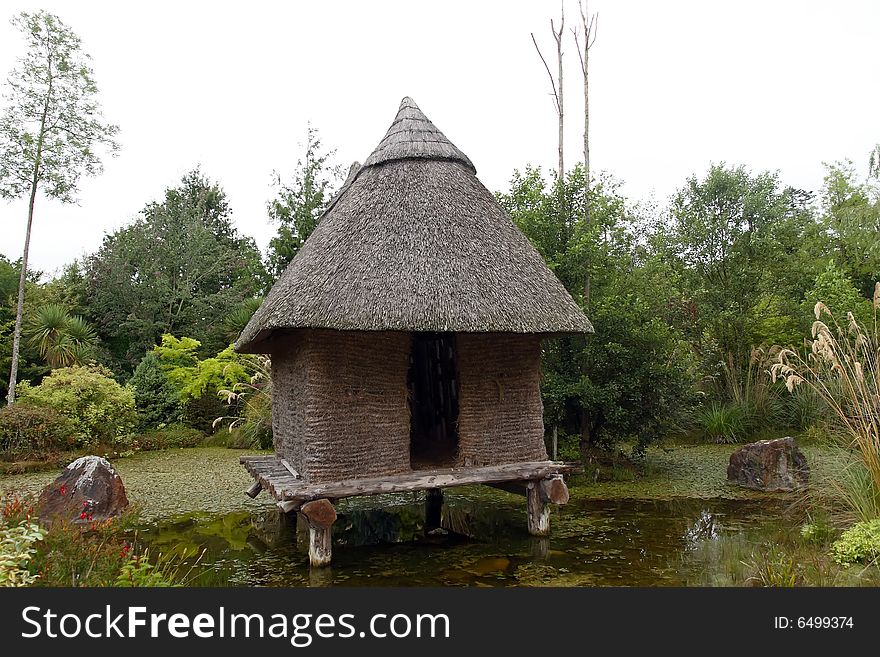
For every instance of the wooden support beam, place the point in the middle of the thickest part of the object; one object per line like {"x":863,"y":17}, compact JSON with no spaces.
{"x":255,"y":489}
{"x":538,"y":511}
{"x":320,"y":515}
{"x":289,"y":506}
{"x":291,"y":488}
{"x":433,"y":509}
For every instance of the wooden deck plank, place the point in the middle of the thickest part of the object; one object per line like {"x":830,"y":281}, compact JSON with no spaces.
{"x":283,"y":486}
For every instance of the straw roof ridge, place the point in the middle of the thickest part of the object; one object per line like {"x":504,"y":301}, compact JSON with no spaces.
{"x":415,"y":243}
{"x":412,"y":135}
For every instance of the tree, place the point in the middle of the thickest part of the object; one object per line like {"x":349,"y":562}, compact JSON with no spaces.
{"x":632,"y":377}
{"x":731,"y":238}
{"x":50,"y":131}
{"x":62,"y":339}
{"x":299,"y":204}
{"x":179,"y":268}
{"x":851,"y":220}
{"x":556,"y":85}
{"x":591,"y":27}
{"x":156,"y":399}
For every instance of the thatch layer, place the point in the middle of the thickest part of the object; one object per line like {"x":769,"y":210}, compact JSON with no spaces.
{"x":340,"y":403}
{"x":501,"y":415}
{"x":414,"y":242}
{"x":412,"y":135}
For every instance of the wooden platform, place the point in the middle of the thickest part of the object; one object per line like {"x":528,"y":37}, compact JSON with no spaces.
{"x":284,"y":484}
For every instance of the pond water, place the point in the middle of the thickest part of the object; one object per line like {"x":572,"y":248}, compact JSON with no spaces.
{"x":381,"y":541}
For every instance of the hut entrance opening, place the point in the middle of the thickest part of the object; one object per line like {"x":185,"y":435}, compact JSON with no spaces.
{"x":433,"y":391}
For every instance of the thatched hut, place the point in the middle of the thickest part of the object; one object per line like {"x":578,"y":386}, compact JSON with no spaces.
{"x":405,"y":335}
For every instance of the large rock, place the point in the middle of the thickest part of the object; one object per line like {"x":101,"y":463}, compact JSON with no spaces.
{"x":89,"y":490}
{"x":769,"y":465}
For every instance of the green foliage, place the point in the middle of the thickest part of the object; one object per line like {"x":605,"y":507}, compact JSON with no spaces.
{"x":31,"y":432}
{"x":299,"y":204}
{"x":102,"y":410}
{"x":60,"y":338}
{"x":771,"y":566}
{"x":193,"y":378}
{"x":252,"y":427}
{"x":199,"y":382}
{"x":177,"y":269}
{"x":168,"y":437}
{"x":858,"y":544}
{"x":238,"y":317}
{"x":156,"y":399}
{"x":839,"y":295}
{"x":632,"y":377}
{"x":724,"y":422}
{"x":818,"y":531}
{"x":842,"y":368}
{"x":65,"y":554}
{"x":30,"y":366}
{"x":850,"y":223}
{"x":52,"y":122}
{"x":728,"y":241}
{"x":16,"y":551}
{"x":51,"y":129}
{"x":167,"y":571}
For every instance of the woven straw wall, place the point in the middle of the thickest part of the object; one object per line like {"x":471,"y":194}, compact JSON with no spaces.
{"x":289,"y":384}
{"x":340,"y":403}
{"x":501,"y":416}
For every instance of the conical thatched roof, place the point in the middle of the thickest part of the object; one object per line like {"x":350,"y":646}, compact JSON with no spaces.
{"x":414,"y":242}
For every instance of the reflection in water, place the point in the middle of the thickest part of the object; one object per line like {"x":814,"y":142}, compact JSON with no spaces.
{"x":483,"y":541}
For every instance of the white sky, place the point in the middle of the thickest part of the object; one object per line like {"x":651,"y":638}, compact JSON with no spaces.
{"x":675,"y":85}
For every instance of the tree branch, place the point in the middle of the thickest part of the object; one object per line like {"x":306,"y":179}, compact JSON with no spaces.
{"x":549,"y":74}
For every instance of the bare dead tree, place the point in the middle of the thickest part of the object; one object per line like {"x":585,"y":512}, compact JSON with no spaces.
{"x":590,"y":26}
{"x":556,"y":85}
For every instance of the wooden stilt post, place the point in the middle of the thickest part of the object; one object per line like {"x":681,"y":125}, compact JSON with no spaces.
{"x":539,"y":546}
{"x":538,"y":510}
{"x":320,"y":515}
{"x":433,"y":508}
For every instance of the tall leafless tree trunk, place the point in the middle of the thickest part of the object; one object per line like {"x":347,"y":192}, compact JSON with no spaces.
{"x":556,"y":85}
{"x":590,"y":26}
{"x":19,"y":308}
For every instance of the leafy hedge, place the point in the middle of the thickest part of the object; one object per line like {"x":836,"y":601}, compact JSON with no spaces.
{"x":32,"y":431}
{"x":174,"y":435}
{"x":102,"y":410}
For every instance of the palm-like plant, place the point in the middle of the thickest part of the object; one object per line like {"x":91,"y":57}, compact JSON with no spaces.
{"x":60,"y":338}
{"x":237,"y":319}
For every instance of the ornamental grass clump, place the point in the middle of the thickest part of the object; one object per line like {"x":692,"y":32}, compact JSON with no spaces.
{"x":842,"y":366}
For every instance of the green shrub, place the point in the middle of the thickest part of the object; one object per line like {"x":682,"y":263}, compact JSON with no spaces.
{"x":156,"y":399}
{"x":32,"y":431}
{"x":102,"y":410}
{"x":16,"y":551}
{"x":858,"y":544}
{"x":174,"y":435}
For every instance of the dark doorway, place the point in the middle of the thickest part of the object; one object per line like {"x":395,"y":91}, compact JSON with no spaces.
{"x":433,"y":392}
